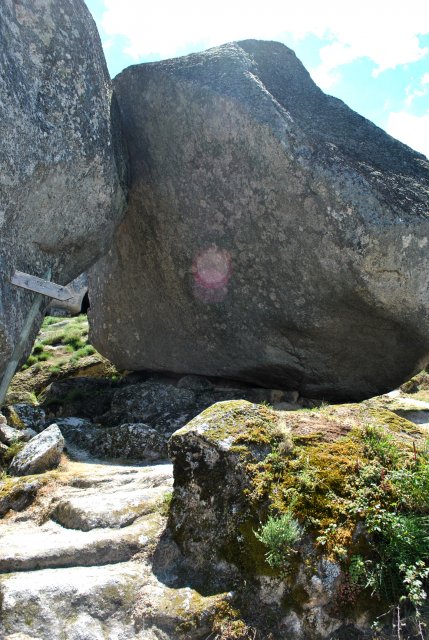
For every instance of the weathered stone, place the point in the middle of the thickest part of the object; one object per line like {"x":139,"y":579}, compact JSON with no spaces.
{"x":9,"y":434}
{"x":238,"y":465}
{"x":61,"y":158}
{"x":26,"y":546}
{"x":4,"y":449}
{"x":128,"y":441}
{"x":62,"y":586}
{"x":166,"y":407}
{"x":23,"y":415}
{"x":177,"y":613}
{"x":42,"y":453}
{"x":17,"y":494}
{"x":106,"y":508}
{"x":74,"y":602}
{"x":209,"y":478}
{"x":273,"y":235}
{"x":82,"y":396}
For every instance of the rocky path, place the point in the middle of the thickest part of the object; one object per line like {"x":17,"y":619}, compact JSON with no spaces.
{"x":73,"y":564}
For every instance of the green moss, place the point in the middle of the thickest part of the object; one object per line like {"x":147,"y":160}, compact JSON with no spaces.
{"x":228,"y":624}
{"x":394,"y":422}
{"x":14,"y":420}
{"x":14,"y":448}
{"x":307,"y":439}
{"x":241,"y":421}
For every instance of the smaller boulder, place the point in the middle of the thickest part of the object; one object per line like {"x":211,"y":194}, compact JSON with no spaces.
{"x":23,"y":415}
{"x":42,"y":453}
{"x":8,"y":435}
{"x":2,"y":419}
{"x":17,"y":494}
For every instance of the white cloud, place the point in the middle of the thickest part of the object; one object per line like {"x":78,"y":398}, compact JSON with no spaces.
{"x":425,"y":79}
{"x":411,"y":129}
{"x":412,"y":94}
{"x":386,"y":34}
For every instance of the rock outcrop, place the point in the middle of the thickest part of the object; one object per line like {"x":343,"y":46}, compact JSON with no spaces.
{"x":243,"y":473}
{"x":273,"y":235}
{"x":62,"y":164}
{"x":143,"y":416}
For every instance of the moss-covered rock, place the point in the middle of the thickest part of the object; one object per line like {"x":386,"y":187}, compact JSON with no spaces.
{"x":238,"y":467}
{"x":17,"y":493}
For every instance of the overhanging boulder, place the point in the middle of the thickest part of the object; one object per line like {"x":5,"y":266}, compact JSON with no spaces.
{"x":273,"y":235}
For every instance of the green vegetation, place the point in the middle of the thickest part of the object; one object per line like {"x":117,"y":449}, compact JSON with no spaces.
{"x":48,"y":320}
{"x":165,"y":504}
{"x":228,"y":624}
{"x":364,"y":499}
{"x":60,"y":337}
{"x":280,"y":535}
{"x":82,"y":352}
{"x":14,"y":448}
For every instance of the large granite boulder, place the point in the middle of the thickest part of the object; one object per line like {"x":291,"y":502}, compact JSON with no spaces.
{"x":273,"y":235}
{"x":62,"y":166}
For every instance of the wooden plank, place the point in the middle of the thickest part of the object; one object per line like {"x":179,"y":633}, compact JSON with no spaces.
{"x":39,"y":285}
{"x":22,"y":341}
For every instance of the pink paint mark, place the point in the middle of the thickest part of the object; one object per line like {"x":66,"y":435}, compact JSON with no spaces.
{"x":212,"y":270}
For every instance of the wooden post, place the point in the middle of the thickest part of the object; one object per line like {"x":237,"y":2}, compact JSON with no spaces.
{"x":22,"y":341}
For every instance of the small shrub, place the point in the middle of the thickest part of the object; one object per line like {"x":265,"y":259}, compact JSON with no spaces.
{"x":280,"y":535}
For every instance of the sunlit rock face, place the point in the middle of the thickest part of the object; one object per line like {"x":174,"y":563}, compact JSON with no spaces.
{"x":273,"y":235}
{"x":62,"y":166}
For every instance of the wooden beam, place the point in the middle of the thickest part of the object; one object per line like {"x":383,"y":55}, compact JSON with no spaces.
{"x":39,"y":285}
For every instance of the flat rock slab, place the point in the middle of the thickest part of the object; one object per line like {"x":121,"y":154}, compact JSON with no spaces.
{"x":76,"y":602}
{"x":53,"y":593}
{"x":27,"y":547}
{"x":114,"y":602}
{"x":101,"y":509}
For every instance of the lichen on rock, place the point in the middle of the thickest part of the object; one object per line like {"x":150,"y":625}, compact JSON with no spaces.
{"x":339,"y":471}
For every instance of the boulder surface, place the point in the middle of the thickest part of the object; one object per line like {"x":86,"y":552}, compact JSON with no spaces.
{"x":43,"y":452}
{"x":62,"y":166}
{"x":273,"y":235}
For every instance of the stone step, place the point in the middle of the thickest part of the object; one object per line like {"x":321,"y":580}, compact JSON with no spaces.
{"x":113,"y":602}
{"x":25,"y":546}
{"x":114,"y":509}
{"x":90,"y":603}
{"x":106,"y":478}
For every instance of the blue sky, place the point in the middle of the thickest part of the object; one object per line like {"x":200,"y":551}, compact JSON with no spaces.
{"x":374,"y":54}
